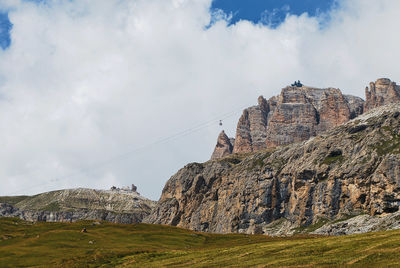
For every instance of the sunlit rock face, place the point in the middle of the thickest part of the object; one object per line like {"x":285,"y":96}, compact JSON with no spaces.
{"x":302,"y":112}
{"x":224,"y":146}
{"x":352,"y":169}
{"x":297,"y":114}
{"x":332,"y":167}
{"x":382,"y":92}
{"x":252,"y":128}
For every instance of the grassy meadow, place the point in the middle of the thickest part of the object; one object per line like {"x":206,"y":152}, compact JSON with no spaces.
{"x":25,"y":244}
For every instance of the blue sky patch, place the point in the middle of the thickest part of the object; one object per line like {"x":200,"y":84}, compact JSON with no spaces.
{"x":5,"y":28}
{"x":270,"y":12}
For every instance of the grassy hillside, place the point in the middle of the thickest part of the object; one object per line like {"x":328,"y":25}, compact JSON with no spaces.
{"x":110,"y":245}
{"x":12,"y":200}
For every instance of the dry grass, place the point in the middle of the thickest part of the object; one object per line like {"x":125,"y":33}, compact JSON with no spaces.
{"x":110,"y":245}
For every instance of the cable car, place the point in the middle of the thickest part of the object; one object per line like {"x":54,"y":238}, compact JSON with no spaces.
{"x":220,"y":122}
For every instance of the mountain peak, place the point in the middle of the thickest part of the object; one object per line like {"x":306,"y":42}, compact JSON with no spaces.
{"x":300,"y":112}
{"x":223,"y":147}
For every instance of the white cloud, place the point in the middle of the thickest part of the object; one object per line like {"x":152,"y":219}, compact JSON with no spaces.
{"x":86,"y":81}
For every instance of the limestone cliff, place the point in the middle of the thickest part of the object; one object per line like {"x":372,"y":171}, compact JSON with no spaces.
{"x":252,"y":128}
{"x":382,"y":92}
{"x":297,"y":114}
{"x":80,"y":204}
{"x":353,"y":169}
{"x":223,"y":147}
{"x":302,"y":112}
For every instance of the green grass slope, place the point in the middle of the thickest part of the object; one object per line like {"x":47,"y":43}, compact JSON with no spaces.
{"x":12,"y":200}
{"x":25,"y":244}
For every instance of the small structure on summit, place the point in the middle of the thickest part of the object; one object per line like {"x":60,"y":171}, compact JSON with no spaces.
{"x":297,"y":84}
{"x":133,"y":188}
{"x":125,"y":189}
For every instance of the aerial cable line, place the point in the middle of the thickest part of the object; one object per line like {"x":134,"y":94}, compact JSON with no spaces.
{"x":159,"y":141}
{"x":125,"y":155}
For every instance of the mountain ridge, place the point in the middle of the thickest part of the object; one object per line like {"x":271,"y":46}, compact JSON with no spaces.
{"x":308,"y":159}
{"x":299,"y":113}
{"x":70,"y":205}
{"x":351,"y":170}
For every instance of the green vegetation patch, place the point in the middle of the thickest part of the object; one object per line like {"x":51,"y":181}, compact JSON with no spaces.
{"x":357,"y":137}
{"x":278,"y":163}
{"x":54,"y":206}
{"x":259,"y":162}
{"x":347,"y":217}
{"x":312,"y":227}
{"x":12,"y":200}
{"x":23,"y":244}
{"x":333,"y":159}
{"x":234,"y":159}
{"x":390,"y":144}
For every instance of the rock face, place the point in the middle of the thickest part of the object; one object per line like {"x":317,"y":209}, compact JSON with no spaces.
{"x":297,"y":114}
{"x":252,"y":128}
{"x":356,"y":105}
{"x":69,"y":216}
{"x":223,"y":147}
{"x":353,"y":169}
{"x":361,"y":224}
{"x":301,"y":112}
{"x":81,"y":204}
{"x":382,"y":92}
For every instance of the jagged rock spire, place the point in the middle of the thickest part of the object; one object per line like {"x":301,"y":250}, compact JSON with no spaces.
{"x":300,"y":113}
{"x":382,"y":92}
{"x":224,"y":146}
{"x":252,"y":128}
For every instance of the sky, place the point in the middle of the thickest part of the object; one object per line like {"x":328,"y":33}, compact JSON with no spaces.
{"x":270,"y":12}
{"x":102,"y":93}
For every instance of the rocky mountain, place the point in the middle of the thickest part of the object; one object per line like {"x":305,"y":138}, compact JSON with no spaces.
{"x":382,"y":92}
{"x":309,"y":160}
{"x":301,"y":112}
{"x":297,"y":114}
{"x":119,"y":206}
{"x":351,"y":170}
{"x":224,"y":146}
{"x":361,"y":224}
